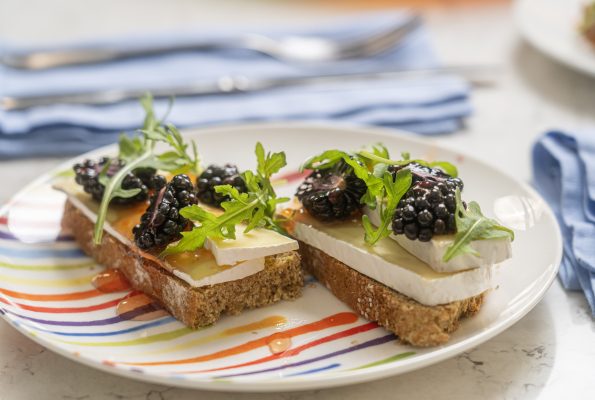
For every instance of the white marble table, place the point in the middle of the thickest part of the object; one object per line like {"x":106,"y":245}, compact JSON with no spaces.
{"x":549,"y":354}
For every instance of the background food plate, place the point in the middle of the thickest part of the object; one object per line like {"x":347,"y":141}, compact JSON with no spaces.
{"x":552,"y":27}
{"x":45,"y":289}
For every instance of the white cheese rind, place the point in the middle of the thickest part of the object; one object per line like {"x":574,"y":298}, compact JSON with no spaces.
{"x":491,"y":251}
{"x":92,"y":216}
{"x":247,"y":246}
{"x":418,"y":281}
{"x":239,"y":271}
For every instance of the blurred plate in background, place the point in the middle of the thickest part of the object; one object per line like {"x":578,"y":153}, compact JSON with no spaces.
{"x":552,"y":26}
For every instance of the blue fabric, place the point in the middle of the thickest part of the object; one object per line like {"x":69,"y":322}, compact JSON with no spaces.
{"x":564,"y":172}
{"x":431,"y":105}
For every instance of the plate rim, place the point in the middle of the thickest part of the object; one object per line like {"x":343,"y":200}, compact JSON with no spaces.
{"x":520,"y":18}
{"x":329,"y":380}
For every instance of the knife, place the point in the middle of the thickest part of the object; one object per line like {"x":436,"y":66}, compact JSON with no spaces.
{"x":476,"y":75}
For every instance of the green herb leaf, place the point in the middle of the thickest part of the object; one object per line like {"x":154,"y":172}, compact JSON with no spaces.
{"x":373,"y":158}
{"x":113,"y":188}
{"x":393,"y":190}
{"x":373,"y":183}
{"x":447,"y":167}
{"x":130,"y":148}
{"x":257,"y":220}
{"x":383,"y":191}
{"x":138,"y":152}
{"x":119,"y":191}
{"x":380,"y":150}
{"x":268,"y":164}
{"x":473,"y":225}
{"x":325,"y":160}
{"x":256,"y":208}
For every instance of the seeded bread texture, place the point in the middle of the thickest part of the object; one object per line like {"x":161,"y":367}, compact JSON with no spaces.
{"x":281,"y":278}
{"x":411,"y":321}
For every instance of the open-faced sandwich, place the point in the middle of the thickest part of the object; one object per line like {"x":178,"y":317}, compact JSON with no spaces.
{"x":394,"y":241}
{"x":390,"y":238}
{"x":200,"y":242}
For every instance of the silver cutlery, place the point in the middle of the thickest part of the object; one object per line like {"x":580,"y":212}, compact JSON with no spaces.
{"x":289,"y":48}
{"x":476,"y":75}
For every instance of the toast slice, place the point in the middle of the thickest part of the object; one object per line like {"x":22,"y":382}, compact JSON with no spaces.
{"x":281,"y":279}
{"x":411,"y":321}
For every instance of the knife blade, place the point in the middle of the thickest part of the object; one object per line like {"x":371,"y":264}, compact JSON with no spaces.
{"x":476,"y":75}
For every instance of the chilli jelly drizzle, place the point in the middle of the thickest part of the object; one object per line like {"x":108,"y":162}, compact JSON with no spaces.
{"x":136,"y":306}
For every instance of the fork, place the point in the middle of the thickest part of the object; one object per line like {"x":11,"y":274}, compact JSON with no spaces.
{"x":288,"y":48}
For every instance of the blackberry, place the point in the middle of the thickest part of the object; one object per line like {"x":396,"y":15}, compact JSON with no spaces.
{"x":162,"y":223}
{"x":333,"y":193}
{"x":428,"y":207}
{"x":216,"y":175}
{"x":87,"y":175}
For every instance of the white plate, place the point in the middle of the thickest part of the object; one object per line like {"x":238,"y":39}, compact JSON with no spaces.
{"x":37,"y":269}
{"x":552,"y":27}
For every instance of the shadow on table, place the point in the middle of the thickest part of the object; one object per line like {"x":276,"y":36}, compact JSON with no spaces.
{"x":556,"y":83}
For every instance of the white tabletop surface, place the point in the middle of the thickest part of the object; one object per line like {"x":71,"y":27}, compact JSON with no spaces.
{"x":549,"y":354}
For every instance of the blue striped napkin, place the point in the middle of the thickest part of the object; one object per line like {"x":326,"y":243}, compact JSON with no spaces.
{"x":432,"y":105}
{"x":564,"y":173}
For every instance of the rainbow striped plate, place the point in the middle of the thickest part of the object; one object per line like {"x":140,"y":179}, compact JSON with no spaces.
{"x":45,"y":289}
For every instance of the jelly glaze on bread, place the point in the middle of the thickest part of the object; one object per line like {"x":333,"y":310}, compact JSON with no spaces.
{"x":281,"y":278}
{"x":411,"y":321}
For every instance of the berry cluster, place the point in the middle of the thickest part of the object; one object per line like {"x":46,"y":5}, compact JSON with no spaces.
{"x":214,"y":176}
{"x":162,"y":223}
{"x":428,"y":207}
{"x":333,"y":193}
{"x":87,"y":175}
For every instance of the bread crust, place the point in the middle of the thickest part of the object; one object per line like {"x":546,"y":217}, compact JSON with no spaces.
{"x":411,"y":321}
{"x":281,"y":279}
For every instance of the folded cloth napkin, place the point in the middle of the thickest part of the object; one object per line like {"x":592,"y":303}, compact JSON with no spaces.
{"x":564,"y":172}
{"x":430,"y":105}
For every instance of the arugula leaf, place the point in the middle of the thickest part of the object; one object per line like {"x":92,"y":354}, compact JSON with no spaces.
{"x":130,"y":148}
{"x":394,"y":188}
{"x":139,"y":152}
{"x":373,"y":183}
{"x":447,"y":167}
{"x":383,"y":189}
{"x":269,"y":163}
{"x":257,"y":207}
{"x":473,"y":225}
{"x":443,"y":165}
{"x":119,"y":191}
{"x":324,"y":160}
{"x":380,"y":150}
{"x":113,"y":188}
